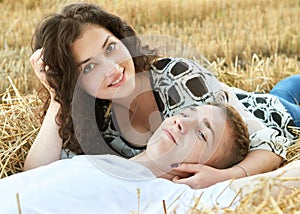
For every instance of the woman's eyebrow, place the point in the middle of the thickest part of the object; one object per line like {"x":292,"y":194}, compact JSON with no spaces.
{"x":106,"y":40}
{"x":84,"y":61}
{"x":103,"y":46}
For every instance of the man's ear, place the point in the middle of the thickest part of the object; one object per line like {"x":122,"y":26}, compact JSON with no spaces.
{"x":221,"y":96}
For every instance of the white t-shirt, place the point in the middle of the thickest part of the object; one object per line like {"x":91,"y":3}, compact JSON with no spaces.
{"x":101,"y":184}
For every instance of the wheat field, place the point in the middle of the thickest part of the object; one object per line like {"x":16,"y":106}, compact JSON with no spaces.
{"x":251,"y":44}
{"x":256,"y":40}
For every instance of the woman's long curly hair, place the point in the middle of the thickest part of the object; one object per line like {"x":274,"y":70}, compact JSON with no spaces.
{"x":55,"y":34}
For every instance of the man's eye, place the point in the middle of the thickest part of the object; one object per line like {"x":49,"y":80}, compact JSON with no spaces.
{"x":110,"y":47}
{"x":201,"y":135}
{"x":183,"y":114}
{"x":88,"y":68}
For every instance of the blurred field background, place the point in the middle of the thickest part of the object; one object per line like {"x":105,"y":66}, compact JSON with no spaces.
{"x":251,"y":44}
{"x":257,"y":41}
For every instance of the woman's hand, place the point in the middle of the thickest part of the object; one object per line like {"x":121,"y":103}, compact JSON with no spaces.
{"x":40,"y":69}
{"x":203,"y":176}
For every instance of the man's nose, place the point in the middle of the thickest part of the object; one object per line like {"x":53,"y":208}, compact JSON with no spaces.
{"x":180,"y":124}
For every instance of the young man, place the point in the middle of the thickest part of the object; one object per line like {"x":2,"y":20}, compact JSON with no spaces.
{"x":212,"y":134}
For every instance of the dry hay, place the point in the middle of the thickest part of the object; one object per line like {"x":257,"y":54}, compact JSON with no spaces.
{"x":19,"y":126}
{"x":293,"y":152}
{"x":260,"y":199}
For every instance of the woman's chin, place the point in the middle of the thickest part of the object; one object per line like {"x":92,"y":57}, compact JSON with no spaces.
{"x":124,"y":91}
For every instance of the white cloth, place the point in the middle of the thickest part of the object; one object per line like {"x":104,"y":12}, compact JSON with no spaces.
{"x":101,"y":184}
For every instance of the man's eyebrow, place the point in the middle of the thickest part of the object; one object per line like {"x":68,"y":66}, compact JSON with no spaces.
{"x":193,"y":108}
{"x":103,"y":46}
{"x":208,"y":125}
{"x":205,"y":121}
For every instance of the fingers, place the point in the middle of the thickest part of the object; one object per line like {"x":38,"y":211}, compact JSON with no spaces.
{"x":180,"y":180}
{"x":190,"y":181}
{"x":38,"y":65}
{"x":187,"y":167}
{"x":175,"y":178}
{"x":36,"y":61}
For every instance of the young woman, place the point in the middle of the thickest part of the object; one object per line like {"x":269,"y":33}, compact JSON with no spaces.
{"x":96,"y":69}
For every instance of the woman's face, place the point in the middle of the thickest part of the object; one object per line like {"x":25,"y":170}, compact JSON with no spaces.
{"x":195,"y":135}
{"x":106,"y":66}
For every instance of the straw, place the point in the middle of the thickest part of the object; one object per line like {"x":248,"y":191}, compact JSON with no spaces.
{"x":19,"y":126}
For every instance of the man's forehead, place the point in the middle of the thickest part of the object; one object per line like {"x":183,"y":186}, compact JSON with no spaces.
{"x":196,"y":108}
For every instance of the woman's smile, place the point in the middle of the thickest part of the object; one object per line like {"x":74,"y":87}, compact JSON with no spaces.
{"x":119,"y":80}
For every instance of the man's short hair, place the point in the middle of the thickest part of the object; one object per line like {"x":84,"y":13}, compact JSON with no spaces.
{"x":237,"y":148}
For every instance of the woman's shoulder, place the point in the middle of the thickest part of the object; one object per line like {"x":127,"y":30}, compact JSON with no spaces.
{"x":176,"y":66}
{"x":180,"y":82}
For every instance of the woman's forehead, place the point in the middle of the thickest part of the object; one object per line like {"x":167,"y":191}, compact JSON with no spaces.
{"x":88,"y":44}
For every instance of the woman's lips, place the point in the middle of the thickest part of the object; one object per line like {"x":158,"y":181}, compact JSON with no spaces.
{"x":170,"y":136}
{"x":119,"y":80}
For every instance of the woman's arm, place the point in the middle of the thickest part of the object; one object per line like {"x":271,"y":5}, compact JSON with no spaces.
{"x":256,"y":162}
{"x":47,"y":146}
{"x":290,"y":171}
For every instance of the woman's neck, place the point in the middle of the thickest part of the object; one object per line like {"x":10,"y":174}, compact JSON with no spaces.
{"x":143,"y":109}
{"x":138,"y":115}
{"x":142,"y":85}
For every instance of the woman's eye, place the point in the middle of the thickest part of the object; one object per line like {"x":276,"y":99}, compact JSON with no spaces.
{"x":110,"y":47}
{"x":201,"y":135}
{"x":88,"y":68}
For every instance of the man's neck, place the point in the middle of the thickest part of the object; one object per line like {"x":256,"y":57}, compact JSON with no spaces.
{"x":159,"y":170}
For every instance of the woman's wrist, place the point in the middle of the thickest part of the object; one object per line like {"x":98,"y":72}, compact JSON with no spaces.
{"x":243,"y":169}
{"x":53,"y":107}
{"x":236,"y":171}
{"x":54,"y":104}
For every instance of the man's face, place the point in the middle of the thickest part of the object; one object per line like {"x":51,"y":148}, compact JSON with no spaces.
{"x":193,"y":136}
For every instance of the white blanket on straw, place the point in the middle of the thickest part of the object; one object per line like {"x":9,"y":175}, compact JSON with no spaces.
{"x":101,"y":184}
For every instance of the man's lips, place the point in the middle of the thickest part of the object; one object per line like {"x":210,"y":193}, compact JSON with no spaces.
{"x":170,"y":136}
